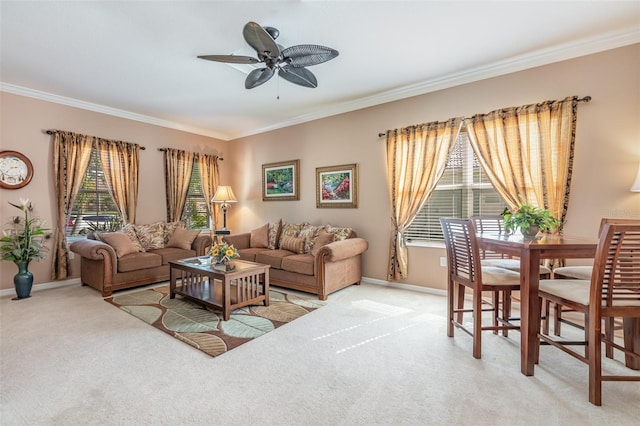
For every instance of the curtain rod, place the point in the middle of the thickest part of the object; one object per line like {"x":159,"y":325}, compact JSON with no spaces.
{"x":585,"y":99}
{"x":216,"y":156}
{"x":53,"y":132}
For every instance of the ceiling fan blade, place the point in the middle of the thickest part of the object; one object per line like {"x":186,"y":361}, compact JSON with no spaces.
{"x":299,"y":76}
{"x":305,"y":55}
{"x":233,"y":59}
{"x":258,"y":77}
{"x":260,"y":40}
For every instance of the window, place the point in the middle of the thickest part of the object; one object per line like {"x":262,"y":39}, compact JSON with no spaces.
{"x":195,"y":211}
{"x":94,"y":208}
{"x":463,"y":191}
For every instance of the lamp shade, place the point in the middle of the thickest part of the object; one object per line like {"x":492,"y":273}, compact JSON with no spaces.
{"x":224,"y":194}
{"x":636,"y":185}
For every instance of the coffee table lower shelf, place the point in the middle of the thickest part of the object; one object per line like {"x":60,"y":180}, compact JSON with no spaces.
{"x":248,"y":284}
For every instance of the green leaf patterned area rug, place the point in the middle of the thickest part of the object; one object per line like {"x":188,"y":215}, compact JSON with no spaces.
{"x":205,"y":329}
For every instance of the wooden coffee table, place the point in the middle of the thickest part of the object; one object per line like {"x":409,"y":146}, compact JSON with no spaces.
{"x":247,"y":284}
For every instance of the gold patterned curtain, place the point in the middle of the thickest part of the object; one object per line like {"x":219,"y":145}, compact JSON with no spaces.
{"x":178,"y":168}
{"x":120,"y":162}
{"x":210,"y":178}
{"x":527,"y":152}
{"x":416,"y":159}
{"x":71,"y":154}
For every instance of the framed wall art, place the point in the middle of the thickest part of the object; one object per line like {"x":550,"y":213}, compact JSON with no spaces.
{"x":281,"y":181}
{"x":16,"y":170}
{"x":337,"y":186}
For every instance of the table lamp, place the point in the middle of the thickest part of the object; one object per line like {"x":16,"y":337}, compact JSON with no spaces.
{"x":224,"y":194}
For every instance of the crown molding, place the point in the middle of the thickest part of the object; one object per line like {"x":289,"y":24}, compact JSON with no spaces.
{"x":50,"y":97}
{"x":557,"y":53}
{"x":541,"y":57}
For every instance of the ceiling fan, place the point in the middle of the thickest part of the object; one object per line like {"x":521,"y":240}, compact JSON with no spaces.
{"x":290,"y":62}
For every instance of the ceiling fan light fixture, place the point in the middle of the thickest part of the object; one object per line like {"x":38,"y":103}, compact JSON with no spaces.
{"x":273,"y":32}
{"x":289,"y":62}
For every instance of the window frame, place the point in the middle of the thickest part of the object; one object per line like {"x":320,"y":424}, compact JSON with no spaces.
{"x":198,"y":194}
{"x":467,"y":185}
{"x":101,"y":190}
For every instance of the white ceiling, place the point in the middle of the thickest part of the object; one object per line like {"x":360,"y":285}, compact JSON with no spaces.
{"x":137,"y":59}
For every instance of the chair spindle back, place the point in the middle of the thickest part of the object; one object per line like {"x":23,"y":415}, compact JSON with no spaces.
{"x":462,"y":248}
{"x":616,"y":273}
{"x":489,"y":224}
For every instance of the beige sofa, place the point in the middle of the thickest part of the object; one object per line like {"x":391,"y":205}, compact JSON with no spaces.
{"x":310,"y":258}
{"x":136,"y":255}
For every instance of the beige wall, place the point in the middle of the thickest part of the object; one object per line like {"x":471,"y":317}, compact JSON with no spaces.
{"x":606,"y":157}
{"x":607,"y":153}
{"x":23,"y":124}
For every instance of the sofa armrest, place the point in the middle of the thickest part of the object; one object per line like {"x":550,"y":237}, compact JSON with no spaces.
{"x":344,"y":249}
{"x":96,"y":250}
{"x":201,"y":243}
{"x":239,"y":241}
{"x":92,"y":249}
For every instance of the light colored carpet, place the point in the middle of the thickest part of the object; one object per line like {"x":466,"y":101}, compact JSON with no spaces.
{"x":373,"y":356}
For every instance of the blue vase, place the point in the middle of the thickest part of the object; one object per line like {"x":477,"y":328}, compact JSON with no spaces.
{"x":23,"y":281}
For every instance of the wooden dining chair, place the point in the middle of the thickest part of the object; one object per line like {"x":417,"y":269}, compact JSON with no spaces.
{"x":578,"y":272}
{"x":494,"y":224}
{"x":464,"y":271}
{"x":613,"y":291}
{"x":581,"y":272}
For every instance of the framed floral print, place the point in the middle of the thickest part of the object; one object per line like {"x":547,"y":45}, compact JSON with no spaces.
{"x":337,"y":186}
{"x":281,"y":181}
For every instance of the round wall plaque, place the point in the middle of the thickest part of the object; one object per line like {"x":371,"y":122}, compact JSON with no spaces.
{"x":16,"y":170}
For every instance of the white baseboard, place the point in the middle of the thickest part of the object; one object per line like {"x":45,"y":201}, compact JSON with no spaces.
{"x":43,"y":286}
{"x":411,"y":287}
{"x":515,"y":303}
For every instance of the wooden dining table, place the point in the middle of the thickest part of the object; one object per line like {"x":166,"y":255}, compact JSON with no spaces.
{"x":530,"y":252}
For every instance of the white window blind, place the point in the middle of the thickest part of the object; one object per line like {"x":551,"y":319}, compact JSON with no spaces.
{"x":195,"y":210}
{"x":463,"y":191}
{"x":94,"y":207}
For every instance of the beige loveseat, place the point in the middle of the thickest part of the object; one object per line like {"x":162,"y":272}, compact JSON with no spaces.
{"x":135,"y":255}
{"x":310,"y":258}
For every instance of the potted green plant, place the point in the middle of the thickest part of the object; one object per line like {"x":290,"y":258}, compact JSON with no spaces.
{"x":23,"y":241}
{"x":530,"y":220}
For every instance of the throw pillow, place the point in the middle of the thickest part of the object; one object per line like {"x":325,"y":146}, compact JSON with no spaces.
{"x":274,"y":234}
{"x":289,"y":230}
{"x":120,"y":243}
{"x":151,"y":236}
{"x":323,"y":239}
{"x":260,"y":237}
{"x":293,"y":244}
{"x":340,"y":233}
{"x":130,"y":231}
{"x":182,"y":238}
{"x":310,"y":234}
{"x":170,"y":227}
